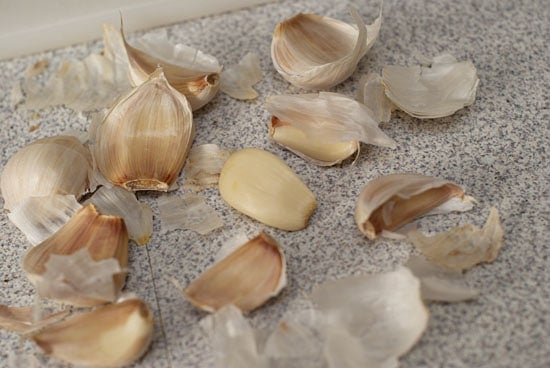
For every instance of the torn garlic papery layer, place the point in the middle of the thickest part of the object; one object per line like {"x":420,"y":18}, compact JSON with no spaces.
{"x":53,"y":165}
{"x":40,"y":217}
{"x":189,"y":212}
{"x":260,"y":185}
{"x":434,"y":91}
{"x":316,"y":52}
{"x":191,"y":72}
{"x":382,"y":313}
{"x":144,"y":139}
{"x":203,"y":166}
{"x":392,"y":201}
{"x":115,"y":201}
{"x":247,"y":277}
{"x":110,"y":336}
{"x":462,"y":247}
{"x":22,"y":320}
{"x":329,"y":117}
{"x":237,"y":80}
{"x":439,"y":284}
{"x":104,"y":237}
{"x":371,"y":93}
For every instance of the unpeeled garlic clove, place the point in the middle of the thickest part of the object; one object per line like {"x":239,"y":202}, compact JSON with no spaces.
{"x":53,"y":165}
{"x":110,"y":336}
{"x":247,"y":277}
{"x":260,"y":185}
{"x":144,"y":139}
{"x":391,"y":201}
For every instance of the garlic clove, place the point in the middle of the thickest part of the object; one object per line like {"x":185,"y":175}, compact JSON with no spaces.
{"x":315,"y":151}
{"x":434,"y":91}
{"x":143,"y":141}
{"x":316,"y":52}
{"x":246,"y":277}
{"x":260,"y":185}
{"x":462,"y":247}
{"x":104,"y":237}
{"x":203,"y":166}
{"x":371,"y":93}
{"x":391,"y":201}
{"x":113,"y":335}
{"x":53,"y":165}
{"x":237,"y":80}
{"x":23,"y":320}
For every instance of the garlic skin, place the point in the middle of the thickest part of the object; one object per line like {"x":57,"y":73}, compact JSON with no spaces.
{"x":371,"y":93}
{"x":110,"y":336}
{"x":391,"y":201}
{"x":21,"y":320}
{"x":53,"y":165}
{"x":260,"y":185}
{"x":237,"y":80}
{"x":144,"y":139}
{"x":203,"y":166}
{"x":316,"y":52}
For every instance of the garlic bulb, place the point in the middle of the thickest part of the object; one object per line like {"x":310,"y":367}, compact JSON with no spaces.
{"x":433,"y":91}
{"x":316,"y":52}
{"x":260,"y":185}
{"x":143,"y":141}
{"x":191,"y":72}
{"x":53,"y":165}
{"x":389,"y":202}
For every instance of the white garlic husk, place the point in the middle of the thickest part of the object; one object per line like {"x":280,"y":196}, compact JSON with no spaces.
{"x":371,"y":92}
{"x":237,"y":80}
{"x":317,"y":52}
{"x":144,"y":139}
{"x":433,"y":91}
{"x":53,"y":165}
{"x":27,"y":319}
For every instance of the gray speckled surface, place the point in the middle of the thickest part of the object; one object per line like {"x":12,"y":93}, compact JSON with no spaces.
{"x":497,"y":149}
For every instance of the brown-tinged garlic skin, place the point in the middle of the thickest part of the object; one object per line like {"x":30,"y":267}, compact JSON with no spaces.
{"x":52,"y":165}
{"x":144,"y":139}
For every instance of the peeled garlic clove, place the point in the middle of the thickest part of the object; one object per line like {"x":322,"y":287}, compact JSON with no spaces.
{"x":22,"y":319}
{"x":260,"y":185}
{"x":316,"y":52}
{"x":113,"y":335}
{"x":103,"y":236}
{"x":191,"y":72}
{"x":433,"y":91}
{"x":246,"y":277}
{"x":143,"y":141}
{"x":53,"y":165}
{"x":462,"y":247}
{"x":391,"y":201}
{"x":371,"y":93}
{"x":315,"y":151}
{"x":237,"y":80}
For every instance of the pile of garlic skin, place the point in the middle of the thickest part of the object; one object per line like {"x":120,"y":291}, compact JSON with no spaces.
{"x":74,"y":199}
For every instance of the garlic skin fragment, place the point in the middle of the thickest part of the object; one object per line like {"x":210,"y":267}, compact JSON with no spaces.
{"x":371,"y":93}
{"x":260,"y":185}
{"x":434,"y":91}
{"x":53,"y":165}
{"x":247,"y":277}
{"x":203,"y":166}
{"x":189,"y":212}
{"x":144,"y":139}
{"x":22,"y":319}
{"x":462,"y":247}
{"x":237,"y":80}
{"x":391,"y":201}
{"x":110,"y":336}
{"x":316,"y":52}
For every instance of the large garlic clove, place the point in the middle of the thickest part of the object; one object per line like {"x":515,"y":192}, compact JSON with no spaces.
{"x":315,"y":52}
{"x":433,"y":91}
{"x":105,"y":237}
{"x":191,"y":72}
{"x":53,"y":165}
{"x":24,"y":320}
{"x":391,"y":201}
{"x":143,"y":141}
{"x":260,"y":185}
{"x":247,"y":277}
{"x":371,"y":93}
{"x":110,"y":336}
{"x":462,"y":247}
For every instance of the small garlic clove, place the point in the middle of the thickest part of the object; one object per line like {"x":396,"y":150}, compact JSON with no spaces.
{"x":315,"y":151}
{"x":260,"y":185}
{"x":22,"y":319}
{"x":144,"y":139}
{"x":391,"y":201}
{"x":53,"y":165}
{"x":247,"y":277}
{"x":237,"y":80}
{"x":104,"y":237}
{"x":113,"y":335}
{"x":371,"y":93}
{"x":462,"y":247}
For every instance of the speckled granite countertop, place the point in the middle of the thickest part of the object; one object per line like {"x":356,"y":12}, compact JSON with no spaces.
{"x":497,"y":149}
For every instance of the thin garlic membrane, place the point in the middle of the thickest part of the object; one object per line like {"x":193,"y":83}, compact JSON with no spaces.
{"x":371,"y":93}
